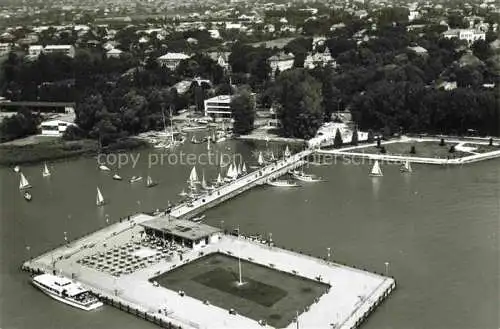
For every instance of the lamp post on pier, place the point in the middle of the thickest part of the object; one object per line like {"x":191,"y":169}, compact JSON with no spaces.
{"x":65,"y":237}
{"x":328,"y":254}
{"x":386,"y":268}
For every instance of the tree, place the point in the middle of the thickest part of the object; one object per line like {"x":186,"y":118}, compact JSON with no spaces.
{"x":452,"y":149}
{"x":22,"y":124}
{"x":243,"y":109}
{"x":383,"y":150}
{"x":354,"y":140}
{"x":490,"y":143}
{"x":442,"y":143}
{"x":337,"y":142}
{"x":299,"y":95}
{"x":481,"y":49}
{"x":413,"y":150}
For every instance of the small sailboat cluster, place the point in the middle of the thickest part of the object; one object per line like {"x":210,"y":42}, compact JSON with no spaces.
{"x":376,"y":170}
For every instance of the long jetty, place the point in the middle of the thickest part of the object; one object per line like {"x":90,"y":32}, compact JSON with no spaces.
{"x":240,"y":185}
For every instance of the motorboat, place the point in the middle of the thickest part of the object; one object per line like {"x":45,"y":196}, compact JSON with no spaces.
{"x":306,"y":177}
{"x":135,"y":179}
{"x":66,"y":291}
{"x":104,"y":168}
{"x":117,"y":177}
{"x":198,"y":219}
{"x":27,"y":196}
{"x":282,"y":183}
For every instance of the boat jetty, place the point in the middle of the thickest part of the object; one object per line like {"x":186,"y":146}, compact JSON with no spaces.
{"x":127,"y":265}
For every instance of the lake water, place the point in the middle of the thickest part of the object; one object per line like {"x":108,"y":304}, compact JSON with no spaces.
{"x":438,"y":229}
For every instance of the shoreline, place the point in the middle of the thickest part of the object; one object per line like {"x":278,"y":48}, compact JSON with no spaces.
{"x":52,"y":150}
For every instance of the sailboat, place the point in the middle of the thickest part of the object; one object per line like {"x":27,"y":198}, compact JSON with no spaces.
{"x":100,"y":198}
{"x":244,"y":169}
{"x":45,"y":172}
{"x":23,"y":183}
{"x":238,"y":170}
{"x":406,"y":167}
{"x":17,"y":169}
{"x":260,"y":160}
{"x":376,"y":171}
{"x":183,"y":193}
{"x":117,"y":177}
{"x":287,"y":152}
{"x":193,"y":177}
{"x":219,"y":180}
{"x":104,"y":168}
{"x":150,"y":182}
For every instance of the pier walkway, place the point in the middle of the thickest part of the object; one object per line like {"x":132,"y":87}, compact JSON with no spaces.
{"x":261,"y":176}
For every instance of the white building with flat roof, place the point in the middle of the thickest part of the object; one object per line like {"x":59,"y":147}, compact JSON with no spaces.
{"x":218,"y":106}
{"x":67,"y":50}
{"x":171,"y":60}
{"x":55,"y":127}
{"x":35,"y":50}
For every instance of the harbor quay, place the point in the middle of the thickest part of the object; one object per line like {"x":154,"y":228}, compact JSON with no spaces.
{"x":177,"y":273}
{"x":358,"y":152}
{"x":240,"y":185}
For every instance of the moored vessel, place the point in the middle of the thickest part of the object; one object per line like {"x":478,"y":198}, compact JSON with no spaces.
{"x":66,"y":291}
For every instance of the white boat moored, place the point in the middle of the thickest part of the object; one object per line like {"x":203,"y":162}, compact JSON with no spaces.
{"x":66,"y":291}
{"x":282,"y":183}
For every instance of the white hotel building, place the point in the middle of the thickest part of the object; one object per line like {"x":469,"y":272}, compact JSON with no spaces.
{"x":218,"y":106}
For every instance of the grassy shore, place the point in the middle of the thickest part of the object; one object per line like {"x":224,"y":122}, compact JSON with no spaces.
{"x":36,"y":149}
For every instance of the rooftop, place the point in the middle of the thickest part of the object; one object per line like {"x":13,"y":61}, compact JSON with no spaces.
{"x":181,"y":228}
{"x":178,"y":56}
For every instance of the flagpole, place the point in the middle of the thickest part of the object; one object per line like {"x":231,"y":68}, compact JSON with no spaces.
{"x":239,"y":255}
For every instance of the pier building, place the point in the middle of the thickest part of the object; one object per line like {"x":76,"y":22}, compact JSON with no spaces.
{"x":184,"y":232}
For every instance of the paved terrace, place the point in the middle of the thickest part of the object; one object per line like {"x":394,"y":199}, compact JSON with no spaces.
{"x":474,"y":157}
{"x":353,"y":295}
{"x":227,"y":191}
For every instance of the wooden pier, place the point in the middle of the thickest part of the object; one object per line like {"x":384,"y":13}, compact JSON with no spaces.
{"x":232,"y":189}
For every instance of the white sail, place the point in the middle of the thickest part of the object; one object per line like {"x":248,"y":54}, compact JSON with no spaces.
{"x":376,"y":171}
{"x":203,"y":181}
{"x":244,"y":169}
{"x":238,"y":170}
{"x":149,"y":180}
{"x":23,"y":183}
{"x":219,"y":179}
{"x":100,"y":199}
{"x":229,"y":173}
{"x":45,"y":172}
{"x":272,"y":156}
{"x":193,"y":177}
{"x":260,"y":160}
{"x":407,"y":166}
{"x":287,"y":152}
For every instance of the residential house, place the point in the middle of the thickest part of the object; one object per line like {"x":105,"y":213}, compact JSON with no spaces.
{"x":35,"y":50}
{"x":282,"y":61}
{"x":171,"y":60}
{"x":4,"y":48}
{"x":114,"y":53}
{"x":319,"y":60}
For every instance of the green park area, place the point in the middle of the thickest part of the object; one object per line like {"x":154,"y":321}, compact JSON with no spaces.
{"x":266,"y":294}
{"x":423,"y":149}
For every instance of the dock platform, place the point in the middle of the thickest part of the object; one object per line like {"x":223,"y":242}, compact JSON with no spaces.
{"x":352,"y":296}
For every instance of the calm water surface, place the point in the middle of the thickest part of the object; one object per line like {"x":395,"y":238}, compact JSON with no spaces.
{"x":438,"y":228}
